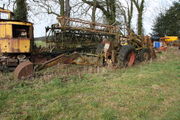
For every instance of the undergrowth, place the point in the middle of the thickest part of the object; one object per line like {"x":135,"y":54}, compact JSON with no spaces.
{"x":147,"y":91}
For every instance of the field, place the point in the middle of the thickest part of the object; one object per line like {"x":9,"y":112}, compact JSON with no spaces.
{"x":40,"y":43}
{"x":147,"y":91}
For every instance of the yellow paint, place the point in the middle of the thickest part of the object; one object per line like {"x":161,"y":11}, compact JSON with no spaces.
{"x":17,"y":46}
{"x":15,"y":23}
{"x":5,"y":31}
{"x":5,"y":11}
{"x":171,"y":38}
{"x":8,"y":44}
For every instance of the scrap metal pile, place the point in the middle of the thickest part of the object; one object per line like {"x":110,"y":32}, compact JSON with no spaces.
{"x":87,"y":43}
{"x":70,"y":41}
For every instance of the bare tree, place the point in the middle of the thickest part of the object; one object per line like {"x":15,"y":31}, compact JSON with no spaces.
{"x":130,"y":15}
{"x":51,"y":6}
{"x":62,"y":7}
{"x":94,"y":11}
{"x":108,"y":8}
{"x":67,"y":8}
{"x":127,"y":13}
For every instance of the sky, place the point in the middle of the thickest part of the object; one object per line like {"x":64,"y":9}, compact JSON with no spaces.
{"x":152,"y":9}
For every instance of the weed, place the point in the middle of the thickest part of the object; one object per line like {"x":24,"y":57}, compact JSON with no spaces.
{"x":109,"y":114}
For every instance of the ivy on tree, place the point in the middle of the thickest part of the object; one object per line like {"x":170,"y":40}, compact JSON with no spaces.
{"x":20,"y":12}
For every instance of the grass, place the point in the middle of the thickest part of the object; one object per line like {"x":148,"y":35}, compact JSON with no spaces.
{"x":148,"y":91}
{"x":40,"y":43}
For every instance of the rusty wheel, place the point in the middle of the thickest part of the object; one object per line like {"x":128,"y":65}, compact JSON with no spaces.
{"x":24,"y":70}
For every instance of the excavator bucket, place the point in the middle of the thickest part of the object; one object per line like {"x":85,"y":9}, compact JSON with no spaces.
{"x":24,"y":70}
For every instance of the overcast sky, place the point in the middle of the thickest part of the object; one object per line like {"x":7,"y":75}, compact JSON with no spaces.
{"x":153,"y":8}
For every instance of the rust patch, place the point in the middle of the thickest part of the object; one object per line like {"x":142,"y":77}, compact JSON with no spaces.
{"x":0,"y":48}
{"x":38,"y":59}
{"x":24,"y":70}
{"x":61,"y":59}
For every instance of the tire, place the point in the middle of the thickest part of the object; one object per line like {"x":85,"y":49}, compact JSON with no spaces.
{"x":144,"y":55}
{"x":126,"y":56}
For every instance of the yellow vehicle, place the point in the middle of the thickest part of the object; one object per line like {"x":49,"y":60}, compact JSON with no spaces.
{"x":16,"y":39}
{"x":171,"y":38}
{"x":5,"y":14}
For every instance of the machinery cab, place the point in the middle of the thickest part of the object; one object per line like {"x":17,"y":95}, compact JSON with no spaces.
{"x":6,"y":14}
{"x":15,"y":36}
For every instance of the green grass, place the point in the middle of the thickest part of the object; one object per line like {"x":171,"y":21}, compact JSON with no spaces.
{"x":148,"y":91}
{"x":40,"y":43}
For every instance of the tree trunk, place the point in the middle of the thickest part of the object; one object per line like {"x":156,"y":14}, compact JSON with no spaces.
{"x":62,"y":11}
{"x":93,"y":17}
{"x":130,"y":15}
{"x":109,"y":11}
{"x":140,"y":9}
{"x":68,"y":8}
{"x":140,"y":23}
{"x":67,"y":11}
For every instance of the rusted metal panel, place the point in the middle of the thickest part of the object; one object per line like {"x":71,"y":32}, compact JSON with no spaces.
{"x":4,"y":46}
{"x":75,"y":58}
{"x":15,"y":45}
{"x":19,"y":45}
{"x":0,"y":49}
{"x":62,"y":59}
